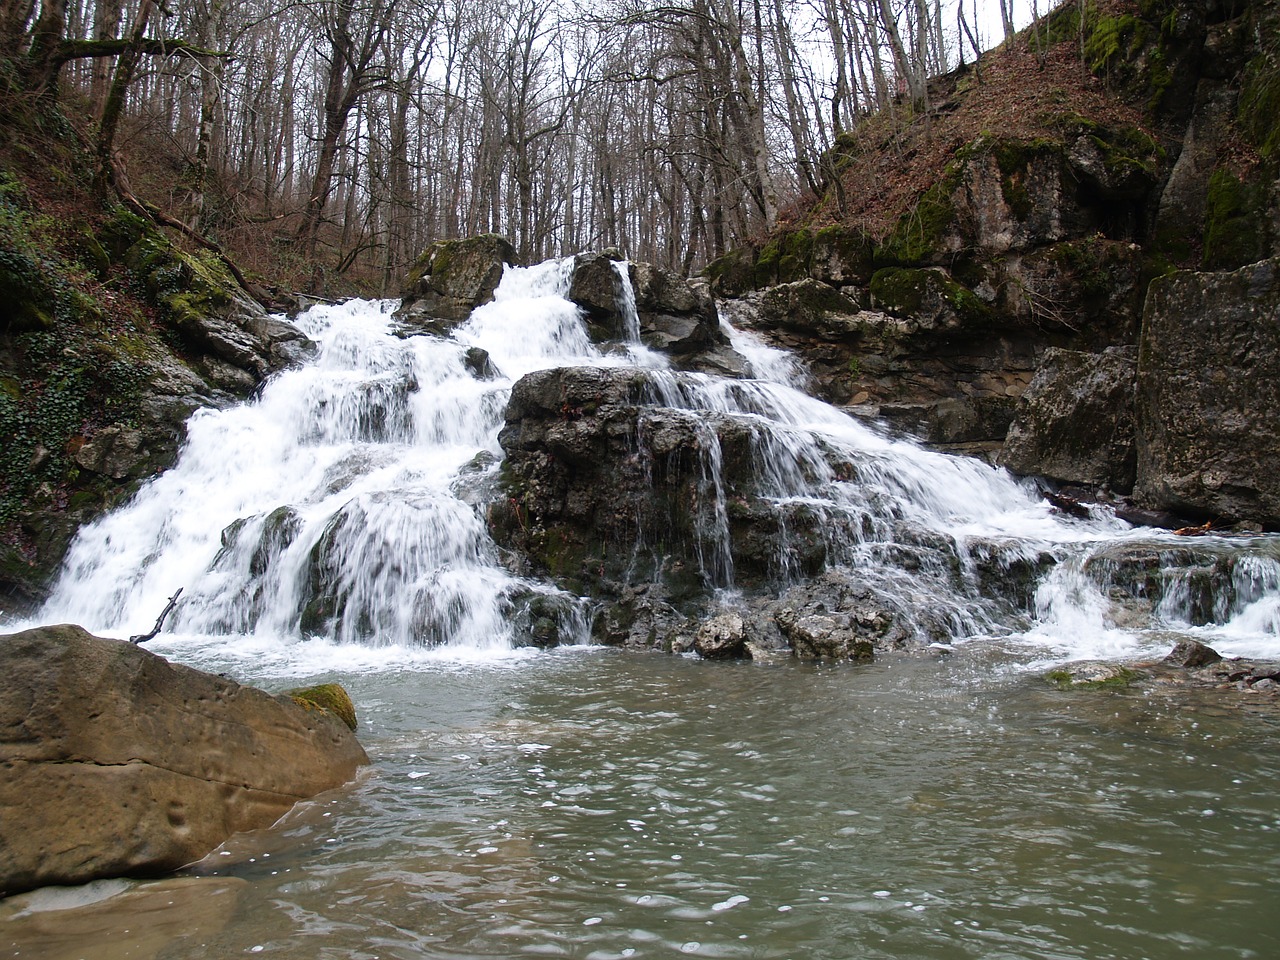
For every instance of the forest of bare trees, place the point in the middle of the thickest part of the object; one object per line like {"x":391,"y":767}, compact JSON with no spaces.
{"x":345,"y":135}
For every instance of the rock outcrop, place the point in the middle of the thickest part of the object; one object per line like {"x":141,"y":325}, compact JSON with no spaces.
{"x":930,"y":306}
{"x":672,"y":315}
{"x":115,"y":762}
{"x":1208,"y":390}
{"x":96,"y":398}
{"x":1074,"y":423}
{"x":450,"y":279}
{"x":648,"y":508}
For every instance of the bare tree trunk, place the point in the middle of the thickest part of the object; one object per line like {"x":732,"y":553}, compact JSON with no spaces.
{"x":114,"y":106}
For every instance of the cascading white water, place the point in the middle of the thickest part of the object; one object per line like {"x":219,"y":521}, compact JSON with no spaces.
{"x":346,"y":502}
{"x":335,"y":504}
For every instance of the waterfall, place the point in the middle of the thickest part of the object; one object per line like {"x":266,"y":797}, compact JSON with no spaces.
{"x":346,"y":503}
{"x":627,"y":302}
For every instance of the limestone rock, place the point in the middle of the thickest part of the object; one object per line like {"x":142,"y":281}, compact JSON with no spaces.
{"x":1192,"y":654}
{"x":1074,"y":423}
{"x":680,"y":319}
{"x":596,"y":288}
{"x":115,"y":451}
{"x":1092,"y":675}
{"x":812,"y":307}
{"x":1208,"y":438}
{"x":451,"y":278}
{"x":116,"y":762}
{"x":603,"y":483}
{"x":721,"y":638}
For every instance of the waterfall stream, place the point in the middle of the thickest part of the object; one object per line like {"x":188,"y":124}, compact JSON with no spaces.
{"x":345,"y":504}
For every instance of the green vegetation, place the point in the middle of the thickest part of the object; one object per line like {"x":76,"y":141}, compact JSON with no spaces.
{"x":1234,"y":228}
{"x":1259,"y":103}
{"x":67,"y":369}
{"x":1118,"y":679}
{"x":908,"y":291}
{"x":919,"y":233}
{"x":328,"y":698}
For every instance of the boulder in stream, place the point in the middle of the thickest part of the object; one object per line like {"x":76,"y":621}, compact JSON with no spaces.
{"x":1208,"y":391}
{"x":675,"y":316}
{"x":450,"y":279}
{"x":118,"y":763}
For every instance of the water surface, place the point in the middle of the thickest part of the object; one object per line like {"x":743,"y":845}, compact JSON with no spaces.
{"x":596,"y":804}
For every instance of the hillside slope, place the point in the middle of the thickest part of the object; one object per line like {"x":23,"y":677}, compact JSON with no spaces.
{"x":1030,"y":209}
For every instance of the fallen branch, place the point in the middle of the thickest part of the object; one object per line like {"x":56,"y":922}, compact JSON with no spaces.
{"x":168,"y":608}
{"x":153,"y":213}
{"x":1194,"y":531}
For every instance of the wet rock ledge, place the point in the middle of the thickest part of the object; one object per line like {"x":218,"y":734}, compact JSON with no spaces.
{"x":115,"y":762}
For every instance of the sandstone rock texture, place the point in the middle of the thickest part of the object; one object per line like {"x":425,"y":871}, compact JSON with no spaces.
{"x":115,"y":762}
{"x":1208,"y":390}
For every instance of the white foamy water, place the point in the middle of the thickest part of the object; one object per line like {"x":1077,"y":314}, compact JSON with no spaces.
{"x":345,"y":506}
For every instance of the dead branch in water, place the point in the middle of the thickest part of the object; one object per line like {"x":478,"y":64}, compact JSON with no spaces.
{"x":168,"y":608}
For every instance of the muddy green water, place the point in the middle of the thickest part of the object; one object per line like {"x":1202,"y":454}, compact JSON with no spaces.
{"x":598,"y":804}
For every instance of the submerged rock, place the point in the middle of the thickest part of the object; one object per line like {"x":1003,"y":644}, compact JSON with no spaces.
{"x":119,"y":919}
{"x":1092,"y":675}
{"x":118,"y":763}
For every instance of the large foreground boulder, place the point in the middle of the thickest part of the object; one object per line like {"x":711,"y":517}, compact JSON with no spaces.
{"x":115,"y":762}
{"x":1208,"y":392}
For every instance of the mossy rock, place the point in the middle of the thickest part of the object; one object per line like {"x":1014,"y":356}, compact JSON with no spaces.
{"x":188,"y":287}
{"x":29,"y":299}
{"x":842,"y":255}
{"x":121,"y":231}
{"x":327,"y":697}
{"x":463,"y":268}
{"x":1259,"y":103}
{"x":919,"y":234}
{"x":1235,"y":222}
{"x":1090,"y":675}
{"x":928,"y":296}
{"x":733,"y":274}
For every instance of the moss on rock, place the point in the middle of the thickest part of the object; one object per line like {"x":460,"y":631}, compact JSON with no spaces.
{"x":1092,"y":676}
{"x":929,"y":296}
{"x":918,"y":235}
{"x":328,"y":697}
{"x":1234,"y":227}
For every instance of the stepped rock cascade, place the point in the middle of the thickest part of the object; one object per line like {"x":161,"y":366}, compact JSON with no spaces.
{"x":348,"y":502}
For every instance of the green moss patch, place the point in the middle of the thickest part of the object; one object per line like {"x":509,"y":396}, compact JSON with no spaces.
{"x":1234,"y":227}
{"x":918,"y":235}
{"x":1115,"y":678}
{"x":912,"y":292}
{"x":327,"y":697}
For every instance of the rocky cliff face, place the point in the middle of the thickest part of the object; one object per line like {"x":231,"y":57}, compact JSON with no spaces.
{"x":948,"y":314}
{"x":1208,"y":391}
